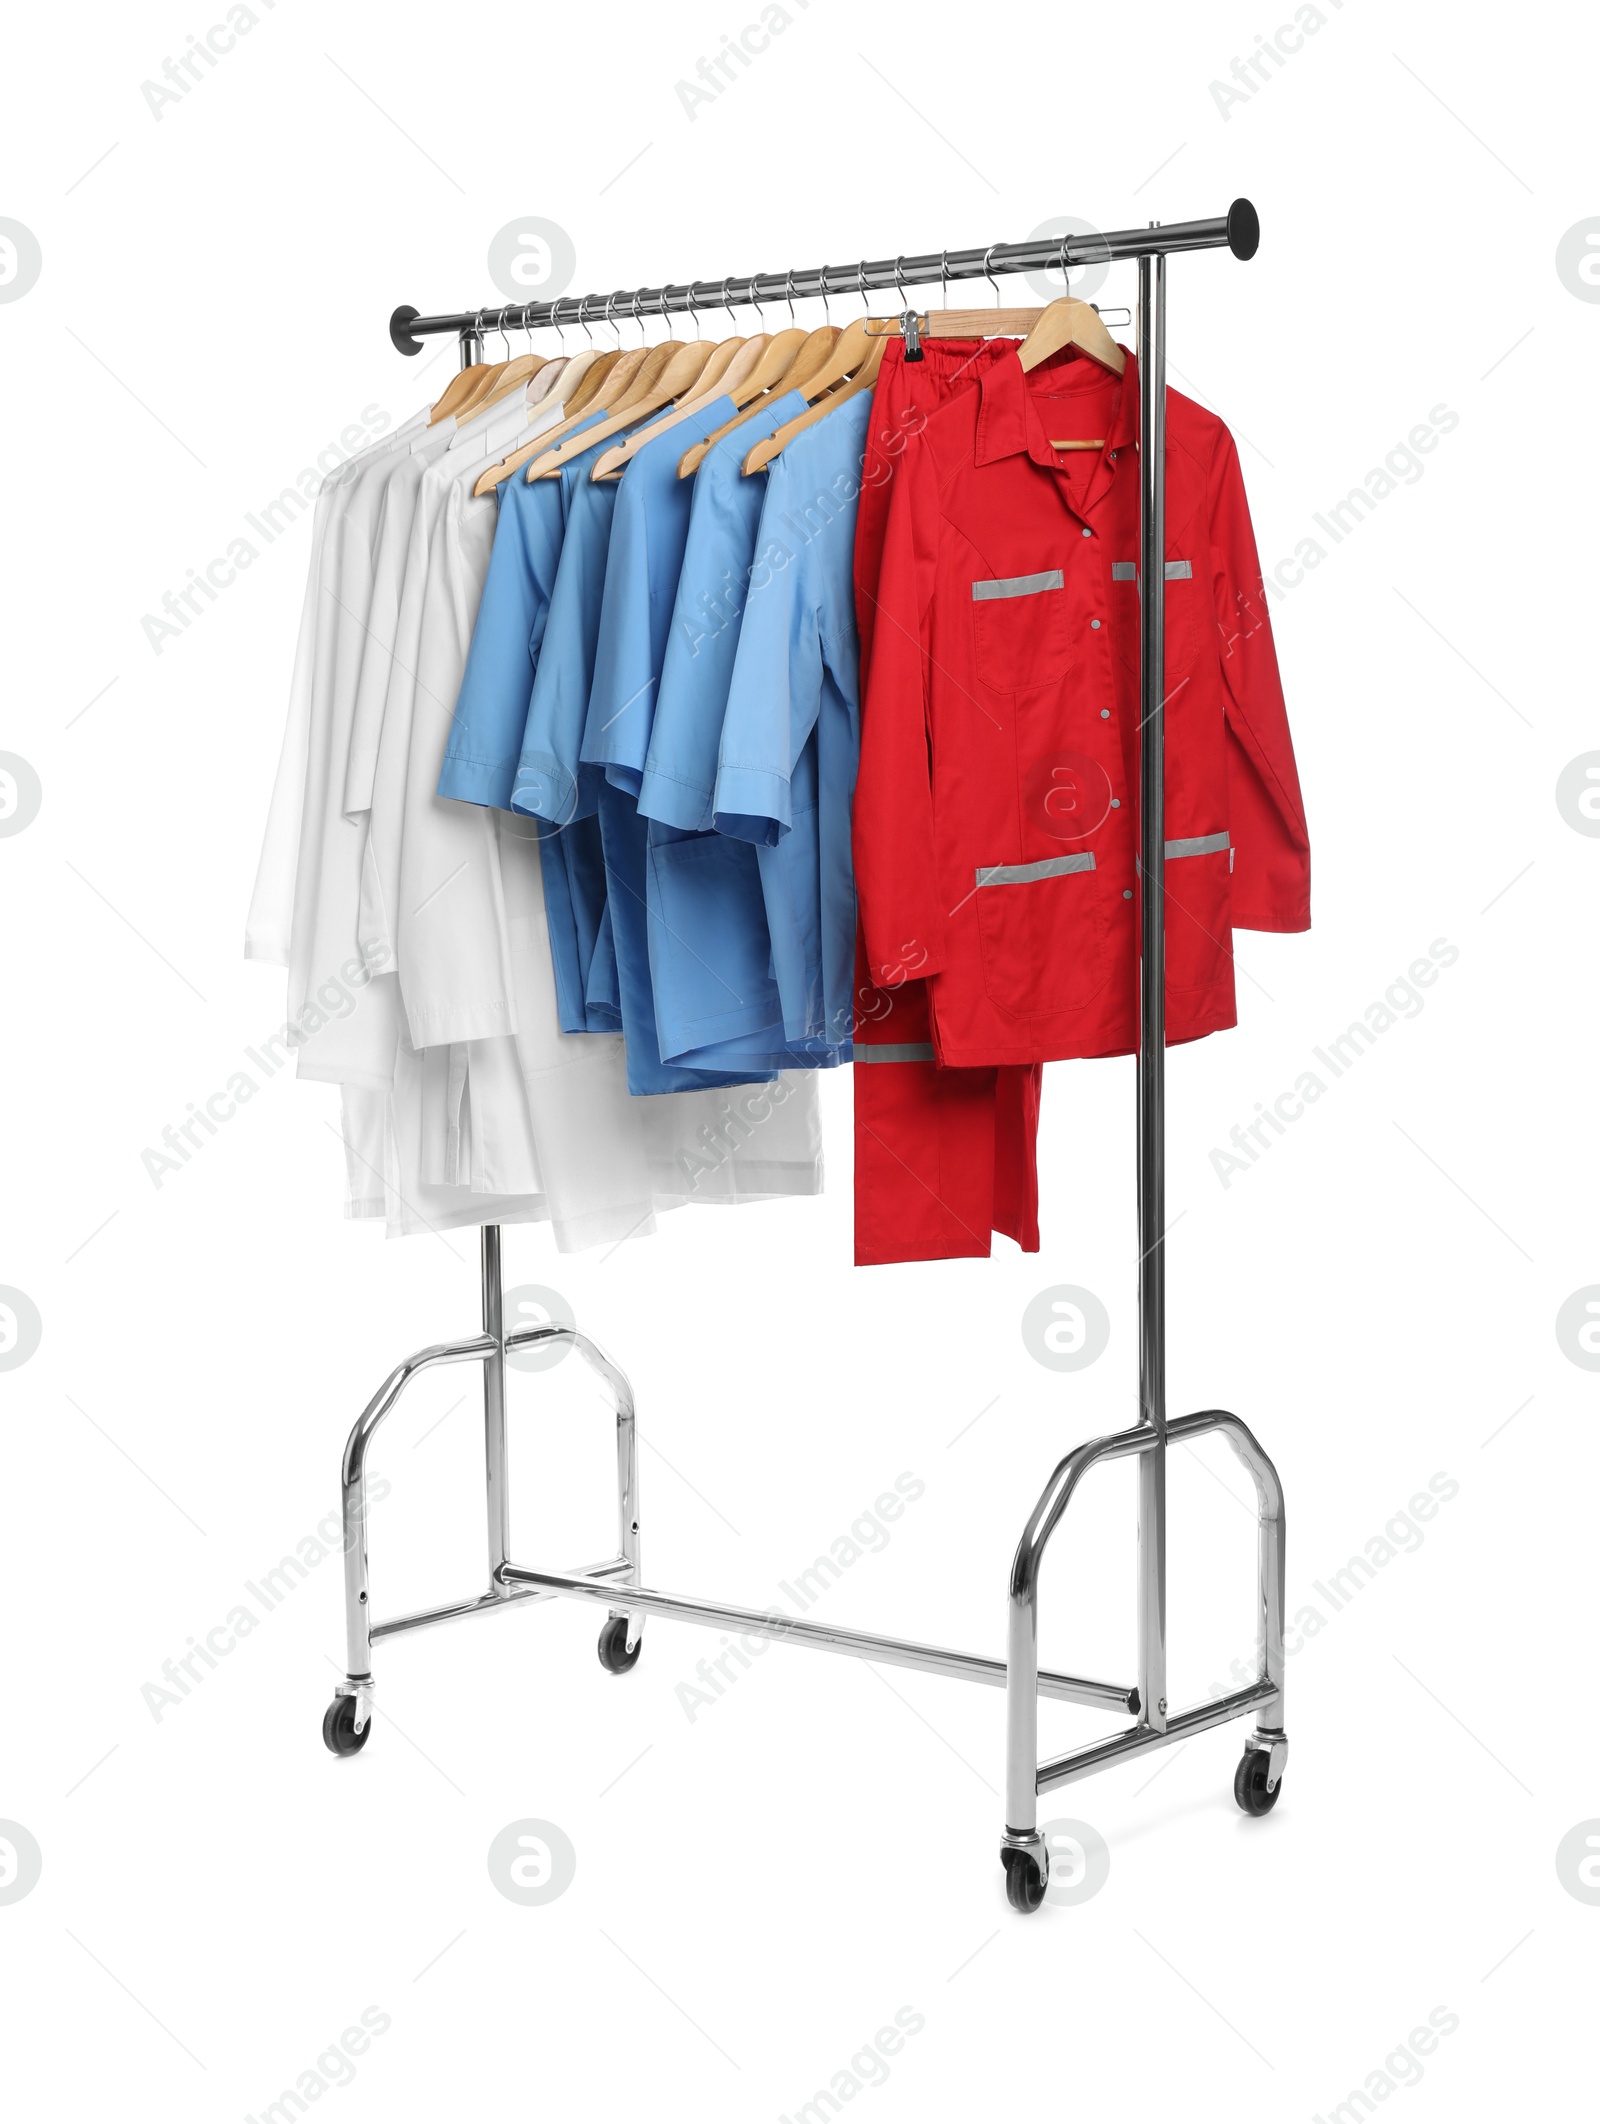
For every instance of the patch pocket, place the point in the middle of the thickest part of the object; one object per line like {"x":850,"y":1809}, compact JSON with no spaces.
{"x":1019,"y":629}
{"x":1199,"y":935}
{"x":1042,"y":927}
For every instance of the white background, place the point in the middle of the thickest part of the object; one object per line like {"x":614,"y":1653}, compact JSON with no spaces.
{"x":760,"y":1888}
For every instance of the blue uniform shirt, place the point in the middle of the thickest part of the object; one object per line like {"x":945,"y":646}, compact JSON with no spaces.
{"x":680,"y":772}
{"x":491,"y":715}
{"x":791,"y":737}
{"x":709,"y":946}
{"x":648,"y":529}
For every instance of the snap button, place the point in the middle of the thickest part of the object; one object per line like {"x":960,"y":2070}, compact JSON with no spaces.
{"x":1128,"y":895}
{"x":1094,"y":623}
{"x":1105,"y":715}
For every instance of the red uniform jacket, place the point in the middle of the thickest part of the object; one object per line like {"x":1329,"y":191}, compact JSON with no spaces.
{"x":996,"y":826}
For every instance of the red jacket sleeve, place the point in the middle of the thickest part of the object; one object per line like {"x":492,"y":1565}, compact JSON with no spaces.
{"x":1266,"y":817}
{"x":902,"y":917}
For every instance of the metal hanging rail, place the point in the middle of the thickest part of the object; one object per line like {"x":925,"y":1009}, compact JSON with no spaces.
{"x":1238,"y":229}
{"x":615,"y":1583}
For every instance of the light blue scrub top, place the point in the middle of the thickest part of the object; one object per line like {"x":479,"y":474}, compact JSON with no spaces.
{"x":791,"y":737}
{"x":710,"y":951}
{"x":491,"y":715}
{"x":649,"y":526}
{"x":552,"y":783}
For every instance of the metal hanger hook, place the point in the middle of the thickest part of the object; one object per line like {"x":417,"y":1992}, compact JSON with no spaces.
{"x":861,"y":285}
{"x":788,"y":289}
{"x":504,"y":334}
{"x":1061,"y":264}
{"x":755,"y":302}
{"x":822,"y":282}
{"x":638,"y":320}
{"x":988,"y":276}
{"x":899,"y":281}
{"x":944,"y":275}
{"x":583,"y":318}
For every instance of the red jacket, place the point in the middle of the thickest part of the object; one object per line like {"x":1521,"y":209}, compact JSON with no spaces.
{"x":996,"y":822}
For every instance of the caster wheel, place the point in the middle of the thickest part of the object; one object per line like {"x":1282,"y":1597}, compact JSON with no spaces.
{"x":339,"y":1735}
{"x":1250,"y":1783}
{"x":613,"y":1646}
{"x":1025,"y":1884}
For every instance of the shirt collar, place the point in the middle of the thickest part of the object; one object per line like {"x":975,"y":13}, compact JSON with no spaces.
{"x":1009,"y":421}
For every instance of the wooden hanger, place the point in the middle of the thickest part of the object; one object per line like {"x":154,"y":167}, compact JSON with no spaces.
{"x":959,"y":324}
{"x":457,"y":391}
{"x":598,"y":377}
{"x":767,"y":449}
{"x":521,"y":371}
{"x":669,"y":371}
{"x":805,"y":360}
{"x":1067,"y":322}
{"x":782,"y":349}
{"x":849,"y":351}
{"x":731,"y":363}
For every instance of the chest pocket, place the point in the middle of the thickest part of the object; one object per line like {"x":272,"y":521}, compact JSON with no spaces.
{"x":1019,"y":629}
{"x":1181,"y":608}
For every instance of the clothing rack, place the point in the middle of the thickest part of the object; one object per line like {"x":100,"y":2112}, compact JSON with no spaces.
{"x":614,"y":1583}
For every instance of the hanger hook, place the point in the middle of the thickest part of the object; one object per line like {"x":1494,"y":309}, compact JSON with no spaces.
{"x":861,"y":284}
{"x":944,"y":275}
{"x":755,"y":302}
{"x":638,"y":320}
{"x":1061,"y":264}
{"x":899,"y":281}
{"x":688,"y":303}
{"x":822,"y":279}
{"x":988,"y":276}
{"x":504,"y":334}
{"x":788,"y":289}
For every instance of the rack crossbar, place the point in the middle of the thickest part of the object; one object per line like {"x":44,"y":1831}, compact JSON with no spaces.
{"x":1239,"y":230}
{"x":818,"y":1637}
{"x":484,"y":1603}
{"x":1140,"y":1739}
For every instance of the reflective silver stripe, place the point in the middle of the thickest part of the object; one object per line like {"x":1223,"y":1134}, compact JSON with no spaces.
{"x":1018,"y":585}
{"x":1025,"y":873}
{"x":1128,"y":571}
{"x":1201,"y":844}
{"x":907,"y":1051}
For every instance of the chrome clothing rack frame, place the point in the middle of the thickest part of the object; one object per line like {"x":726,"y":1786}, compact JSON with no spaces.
{"x":614,"y":1583}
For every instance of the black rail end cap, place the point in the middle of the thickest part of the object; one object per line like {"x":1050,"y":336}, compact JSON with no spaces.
{"x":1244,"y":230}
{"x":400,"y":323}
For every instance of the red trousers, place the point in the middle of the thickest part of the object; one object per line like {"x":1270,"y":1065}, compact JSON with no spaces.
{"x":944,"y":1157}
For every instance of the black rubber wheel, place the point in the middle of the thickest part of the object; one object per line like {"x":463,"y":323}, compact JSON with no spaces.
{"x":339,"y":1735}
{"x":1025,"y":1884}
{"x":1250,"y":1783}
{"x":613,"y":1646}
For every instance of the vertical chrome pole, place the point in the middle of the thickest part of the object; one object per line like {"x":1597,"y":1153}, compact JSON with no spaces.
{"x":471,"y":347}
{"x":498,"y":1489}
{"x":1152,"y":988}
